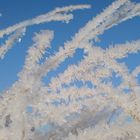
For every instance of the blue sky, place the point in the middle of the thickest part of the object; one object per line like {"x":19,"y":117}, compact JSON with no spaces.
{"x":18,"y":10}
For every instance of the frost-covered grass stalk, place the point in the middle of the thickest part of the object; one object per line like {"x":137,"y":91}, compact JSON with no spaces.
{"x":85,"y":113}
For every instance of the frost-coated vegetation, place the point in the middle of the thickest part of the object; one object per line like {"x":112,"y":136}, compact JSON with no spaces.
{"x":62,"y":110}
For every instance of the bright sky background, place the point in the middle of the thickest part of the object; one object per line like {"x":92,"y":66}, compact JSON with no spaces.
{"x":14,"y":11}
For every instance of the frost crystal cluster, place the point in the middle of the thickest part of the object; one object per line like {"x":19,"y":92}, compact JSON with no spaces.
{"x":63,"y":110}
